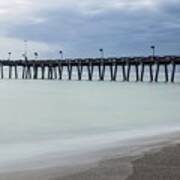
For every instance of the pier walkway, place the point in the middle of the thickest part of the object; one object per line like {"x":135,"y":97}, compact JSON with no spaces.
{"x":54,"y":69}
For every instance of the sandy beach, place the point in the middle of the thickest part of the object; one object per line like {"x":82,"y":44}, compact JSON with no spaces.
{"x":162,"y":165}
{"x":160,"y":162}
{"x":146,"y":159}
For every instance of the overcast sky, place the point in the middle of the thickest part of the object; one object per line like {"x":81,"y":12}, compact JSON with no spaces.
{"x":81,"y":27}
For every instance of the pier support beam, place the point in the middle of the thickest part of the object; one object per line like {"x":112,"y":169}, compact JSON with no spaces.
{"x":151,"y":73}
{"x":23,"y":71}
{"x":173,"y":72}
{"x":35,"y":71}
{"x":42,"y":72}
{"x":157,"y":72}
{"x":28,"y":72}
{"x":50,"y":72}
{"x":60,"y":71}
{"x":15,"y":72}
{"x":79,"y":71}
{"x":128,"y":72}
{"x":55,"y":72}
{"x":142,"y":72}
{"x":124,"y":73}
{"x":137,"y":72}
{"x":101,"y":68}
{"x":10,"y":72}
{"x":113,"y":71}
{"x":166,"y":73}
{"x":90,"y":69}
{"x":2,"y":72}
{"x":69,"y":69}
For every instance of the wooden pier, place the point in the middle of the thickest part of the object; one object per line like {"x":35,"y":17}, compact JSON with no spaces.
{"x":55,"y":69}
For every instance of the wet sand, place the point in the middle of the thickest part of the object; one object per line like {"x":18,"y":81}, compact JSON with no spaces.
{"x":163,"y":165}
{"x":154,"y":159}
{"x":158,"y":163}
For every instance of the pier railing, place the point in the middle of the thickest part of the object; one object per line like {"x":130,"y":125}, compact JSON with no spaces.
{"x":54,"y":69}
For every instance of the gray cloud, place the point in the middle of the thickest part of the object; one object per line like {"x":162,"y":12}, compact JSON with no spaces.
{"x":118,"y":31}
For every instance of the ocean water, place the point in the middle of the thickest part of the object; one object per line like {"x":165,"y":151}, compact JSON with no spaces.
{"x":42,"y":118}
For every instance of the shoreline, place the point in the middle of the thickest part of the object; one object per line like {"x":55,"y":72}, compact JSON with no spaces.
{"x":110,"y":161}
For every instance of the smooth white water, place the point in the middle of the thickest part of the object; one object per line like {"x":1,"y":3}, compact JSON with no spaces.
{"x":39,"y":118}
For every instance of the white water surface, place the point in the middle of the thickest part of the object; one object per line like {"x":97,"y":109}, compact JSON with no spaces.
{"x":66,"y":118}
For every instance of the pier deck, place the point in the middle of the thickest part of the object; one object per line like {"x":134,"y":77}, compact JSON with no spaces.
{"x":54,"y":69}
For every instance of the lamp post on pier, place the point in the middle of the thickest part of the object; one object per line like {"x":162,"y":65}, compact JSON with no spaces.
{"x":61,"y":54}
{"x":153,"y":50}
{"x":9,"y":56}
{"x":101,"y":53}
{"x":36,"y":55}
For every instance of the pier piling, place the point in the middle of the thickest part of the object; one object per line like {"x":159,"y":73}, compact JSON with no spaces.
{"x":173,"y":72}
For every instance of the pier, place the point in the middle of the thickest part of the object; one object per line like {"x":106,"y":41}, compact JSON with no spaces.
{"x":55,"y":69}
